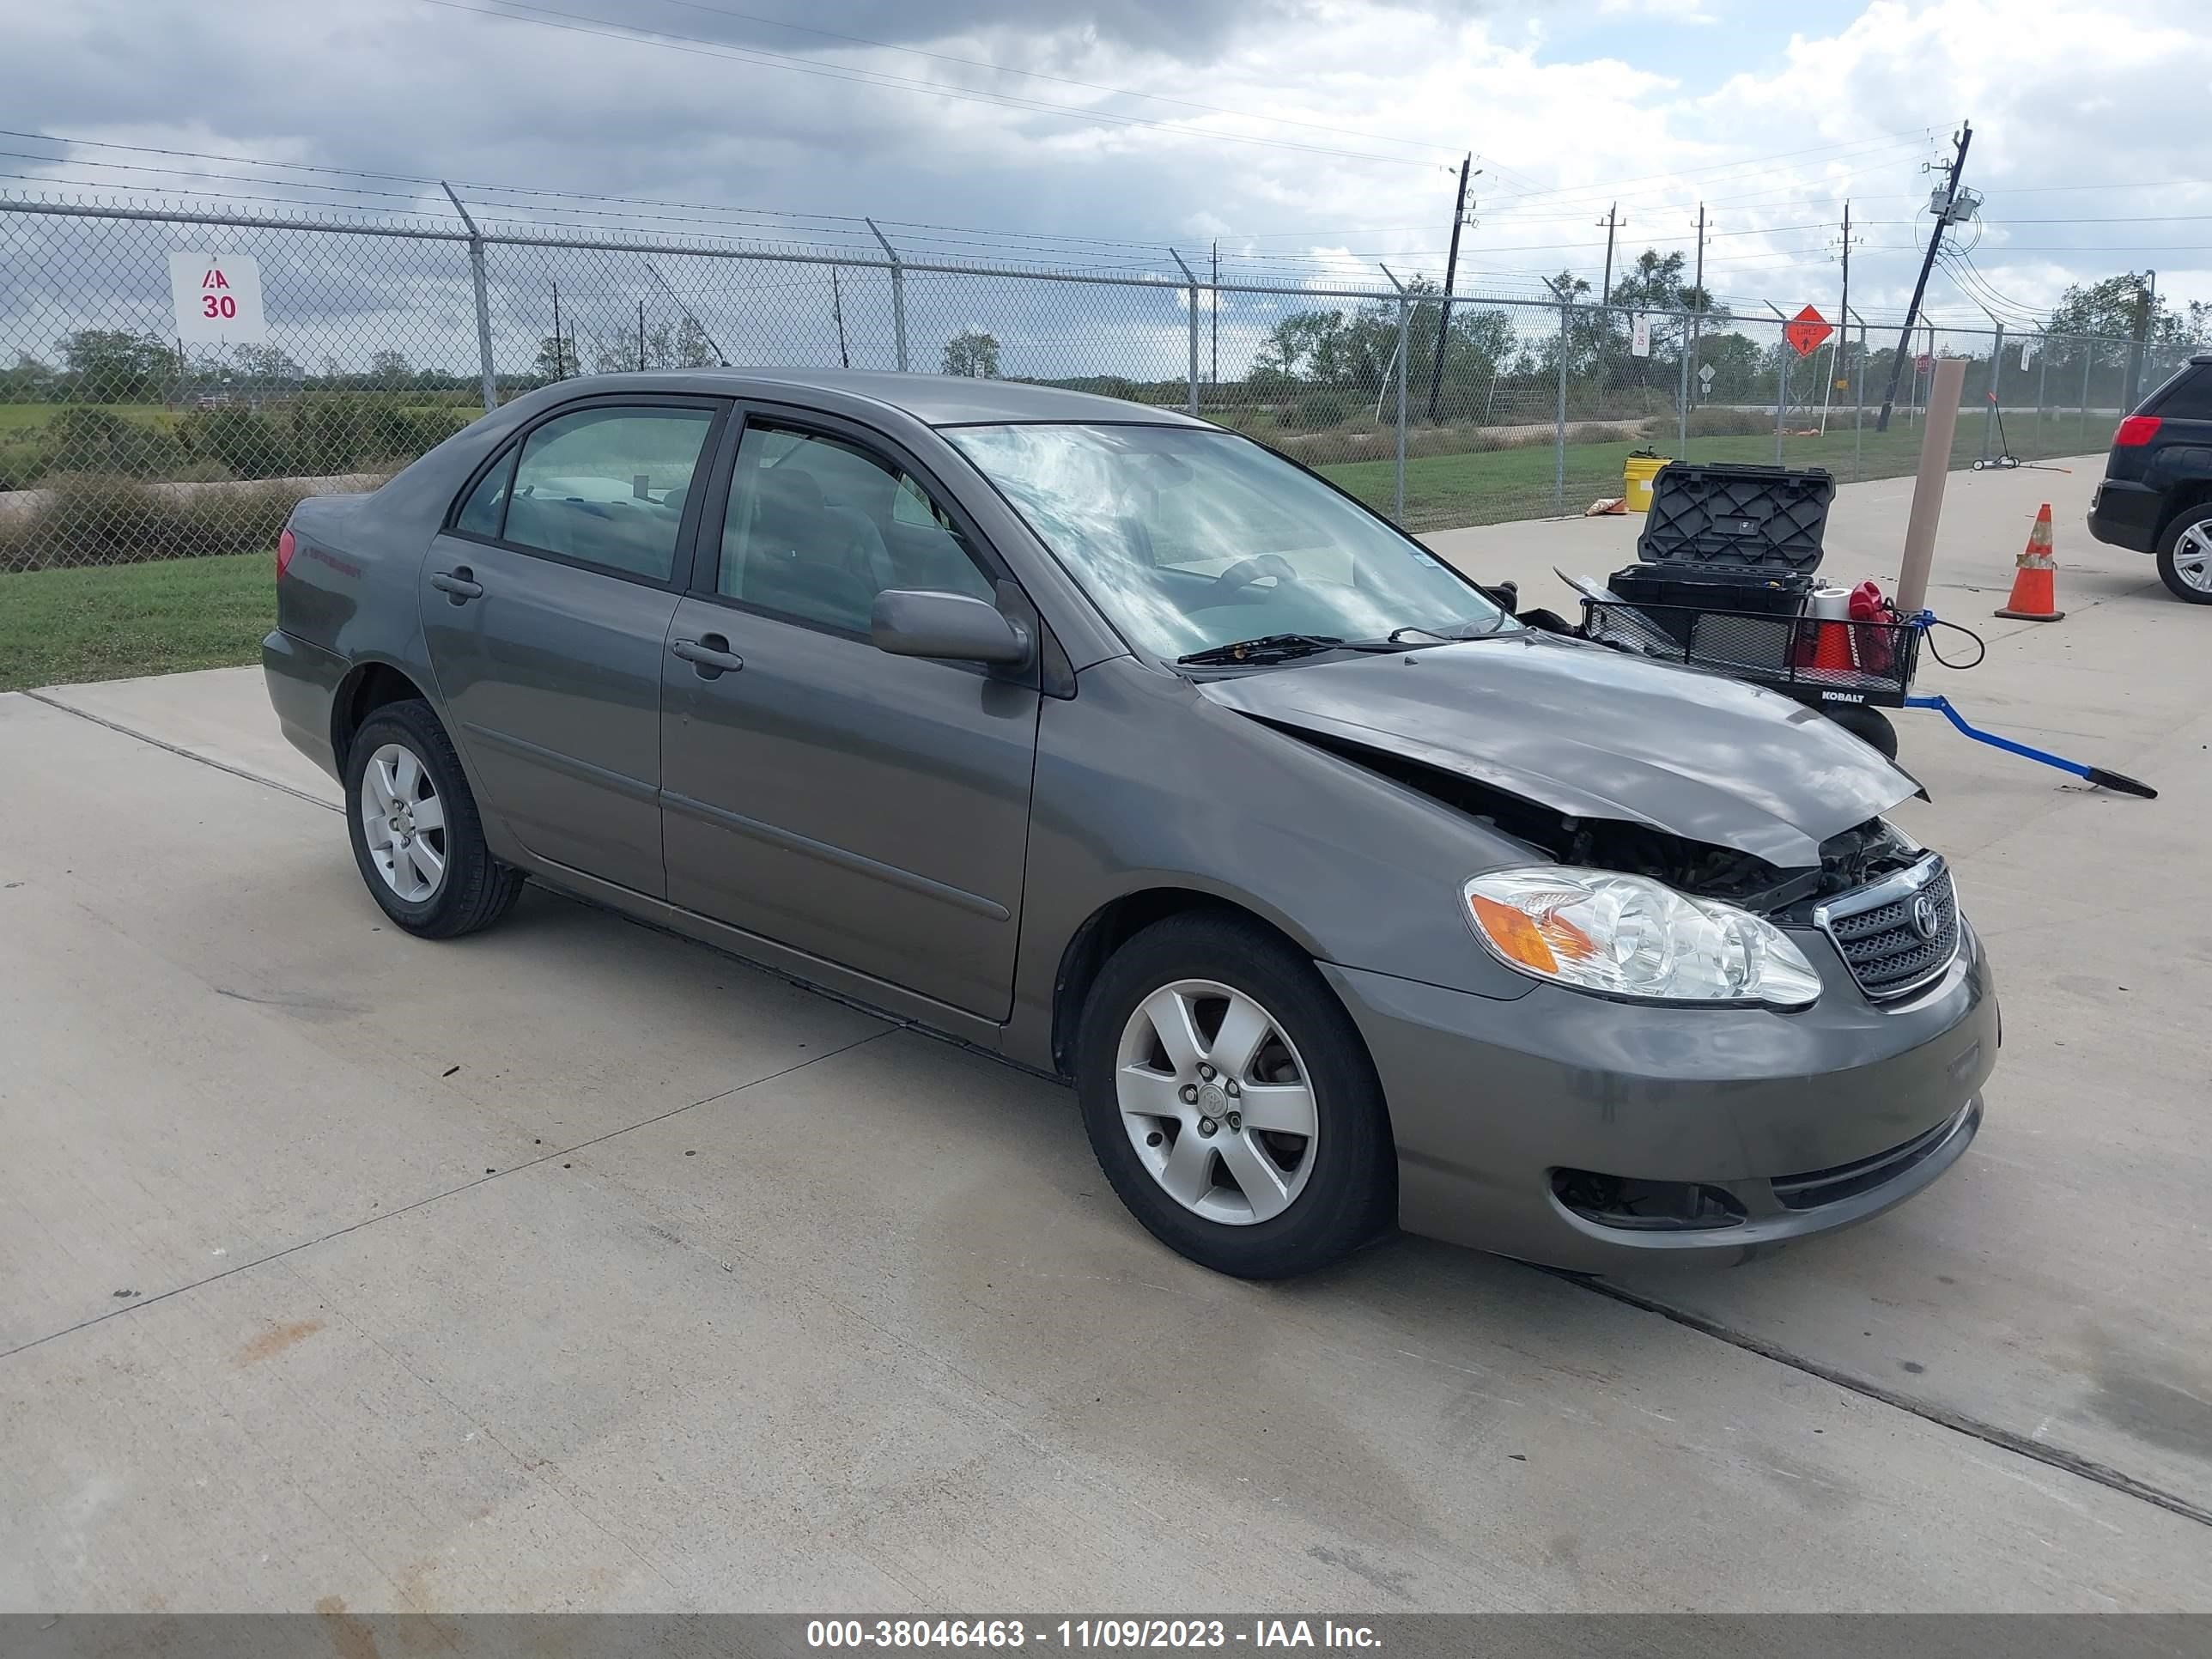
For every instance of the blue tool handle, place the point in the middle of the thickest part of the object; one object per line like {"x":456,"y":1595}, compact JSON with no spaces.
{"x":2096,"y":775}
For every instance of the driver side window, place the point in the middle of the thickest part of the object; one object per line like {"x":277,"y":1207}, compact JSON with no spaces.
{"x":817,"y":526}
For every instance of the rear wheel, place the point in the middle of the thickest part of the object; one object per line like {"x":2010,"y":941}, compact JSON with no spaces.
{"x":2184,"y":555}
{"x":1230,"y":1101}
{"x":414,"y":830}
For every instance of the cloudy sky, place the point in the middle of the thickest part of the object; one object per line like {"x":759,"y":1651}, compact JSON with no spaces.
{"x":1307,"y":138}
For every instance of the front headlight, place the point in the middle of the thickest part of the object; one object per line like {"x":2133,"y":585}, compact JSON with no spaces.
{"x":1629,"y":936}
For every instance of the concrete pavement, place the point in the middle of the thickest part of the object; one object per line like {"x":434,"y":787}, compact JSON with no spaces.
{"x":575,"y":1267}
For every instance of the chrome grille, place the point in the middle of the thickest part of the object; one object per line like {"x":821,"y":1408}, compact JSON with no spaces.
{"x":1879,"y":929}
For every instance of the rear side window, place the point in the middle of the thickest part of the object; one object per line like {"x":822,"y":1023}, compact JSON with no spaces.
{"x":606,"y":486}
{"x":481,"y":514}
{"x":2186,"y":397}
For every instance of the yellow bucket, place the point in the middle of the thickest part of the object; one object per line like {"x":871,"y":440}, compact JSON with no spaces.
{"x":1637,"y":478}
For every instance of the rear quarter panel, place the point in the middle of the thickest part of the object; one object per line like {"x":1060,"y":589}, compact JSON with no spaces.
{"x":350,"y":597}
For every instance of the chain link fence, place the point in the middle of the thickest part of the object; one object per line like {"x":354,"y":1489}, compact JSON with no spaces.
{"x":119,"y":443}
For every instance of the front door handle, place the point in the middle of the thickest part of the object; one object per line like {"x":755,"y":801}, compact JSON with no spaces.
{"x":710,"y":654}
{"x":460,"y":582}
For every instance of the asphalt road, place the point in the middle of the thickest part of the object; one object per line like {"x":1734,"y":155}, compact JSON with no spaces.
{"x":576,"y":1267}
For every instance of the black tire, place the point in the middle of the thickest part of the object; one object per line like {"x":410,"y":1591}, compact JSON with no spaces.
{"x":2170,"y":556}
{"x":1350,"y":1193}
{"x":1869,"y":726}
{"x":476,"y":890}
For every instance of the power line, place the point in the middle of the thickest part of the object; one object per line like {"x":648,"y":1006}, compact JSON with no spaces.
{"x":694,"y":45}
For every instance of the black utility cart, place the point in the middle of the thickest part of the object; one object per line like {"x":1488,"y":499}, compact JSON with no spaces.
{"x":1724,"y":579}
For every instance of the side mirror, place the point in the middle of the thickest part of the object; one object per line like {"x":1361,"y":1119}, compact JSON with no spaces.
{"x":913,"y":623}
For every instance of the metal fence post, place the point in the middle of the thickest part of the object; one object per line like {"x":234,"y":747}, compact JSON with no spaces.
{"x":1858,"y":405}
{"x":2041,"y":379}
{"x":1191,"y":294}
{"x":2088,"y":356}
{"x":1404,"y":321}
{"x":1560,"y":421}
{"x":1405,"y":324}
{"x":483,"y":300}
{"x":898,"y":293}
{"x":1989,"y":414}
{"x":1781,"y":377}
{"x":1682,"y":391}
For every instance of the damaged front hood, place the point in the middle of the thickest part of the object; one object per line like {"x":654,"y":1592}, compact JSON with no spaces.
{"x":1594,"y":734}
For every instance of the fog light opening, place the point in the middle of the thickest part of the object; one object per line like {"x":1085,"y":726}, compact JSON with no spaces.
{"x":1623,"y":1201}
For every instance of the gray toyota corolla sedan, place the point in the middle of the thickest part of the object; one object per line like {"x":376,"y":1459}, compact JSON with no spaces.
{"x":1118,"y":744}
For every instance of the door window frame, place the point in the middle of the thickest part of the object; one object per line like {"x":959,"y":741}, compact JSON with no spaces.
{"x":509,"y":455}
{"x":707,"y":533}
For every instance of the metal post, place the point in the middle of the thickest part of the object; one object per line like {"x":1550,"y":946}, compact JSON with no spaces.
{"x":1781,"y":377}
{"x":1405,"y":323}
{"x":2041,"y":379}
{"x":1989,"y":414}
{"x":1682,"y":392}
{"x":640,"y":335}
{"x":1191,"y":293}
{"x":2088,"y":356}
{"x":898,"y":293}
{"x":483,"y":301}
{"x":1560,"y":421}
{"x":1858,"y":400}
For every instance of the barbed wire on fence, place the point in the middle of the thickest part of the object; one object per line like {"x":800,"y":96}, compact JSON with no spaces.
{"x":119,"y":442}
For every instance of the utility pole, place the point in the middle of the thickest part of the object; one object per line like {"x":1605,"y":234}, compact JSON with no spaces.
{"x":1690,"y":372}
{"x":837,"y":310}
{"x":1604,"y":297}
{"x":1451,"y":275}
{"x":1612,"y":222}
{"x":2146,"y":298}
{"x":1842,"y":325}
{"x":1927,"y":263}
{"x":560,"y":351}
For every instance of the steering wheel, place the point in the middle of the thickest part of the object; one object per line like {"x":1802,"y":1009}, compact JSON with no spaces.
{"x":1241,"y":575}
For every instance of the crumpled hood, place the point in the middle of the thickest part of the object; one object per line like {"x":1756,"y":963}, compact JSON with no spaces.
{"x":1596,"y":733}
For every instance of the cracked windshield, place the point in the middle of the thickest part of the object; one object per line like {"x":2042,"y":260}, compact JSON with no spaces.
{"x":1190,"y":540}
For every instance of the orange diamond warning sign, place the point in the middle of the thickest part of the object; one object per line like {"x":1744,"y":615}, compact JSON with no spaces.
{"x":1806,"y":331}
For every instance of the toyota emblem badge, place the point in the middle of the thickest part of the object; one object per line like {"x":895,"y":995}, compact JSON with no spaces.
{"x":1925,"y":921}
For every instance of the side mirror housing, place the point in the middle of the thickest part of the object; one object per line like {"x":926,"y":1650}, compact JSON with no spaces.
{"x":952,"y":626}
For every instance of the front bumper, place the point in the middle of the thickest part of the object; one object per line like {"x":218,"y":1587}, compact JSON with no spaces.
{"x":2126,"y":515}
{"x":1805,"y":1122}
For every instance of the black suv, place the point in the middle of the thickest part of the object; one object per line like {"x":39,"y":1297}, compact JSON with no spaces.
{"x":2157,"y":493}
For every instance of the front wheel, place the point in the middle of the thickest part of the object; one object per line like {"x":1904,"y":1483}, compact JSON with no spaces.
{"x":1230,"y":1101}
{"x":2184,"y":555}
{"x":414,"y":830}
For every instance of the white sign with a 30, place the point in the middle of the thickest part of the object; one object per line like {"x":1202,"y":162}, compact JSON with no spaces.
{"x":217,"y":299}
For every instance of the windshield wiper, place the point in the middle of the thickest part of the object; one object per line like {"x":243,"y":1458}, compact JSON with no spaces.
{"x":1269,"y":648}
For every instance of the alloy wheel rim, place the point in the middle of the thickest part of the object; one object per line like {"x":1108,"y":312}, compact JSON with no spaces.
{"x":2192,"y":556}
{"x":404,"y":821}
{"x":1216,"y":1102}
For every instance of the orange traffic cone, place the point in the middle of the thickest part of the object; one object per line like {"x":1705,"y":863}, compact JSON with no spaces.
{"x":2034,"y":595}
{"x":1831,"y":650}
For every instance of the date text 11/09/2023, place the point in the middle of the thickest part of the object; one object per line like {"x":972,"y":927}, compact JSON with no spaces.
{"x":1087,"y":1633}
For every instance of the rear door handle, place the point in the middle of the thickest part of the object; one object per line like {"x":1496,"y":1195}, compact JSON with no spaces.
{"x":710,"y":654}
{"x":460,"y":582}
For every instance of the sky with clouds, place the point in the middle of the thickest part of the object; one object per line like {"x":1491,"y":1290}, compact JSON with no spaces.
{"x":1308,"y":138}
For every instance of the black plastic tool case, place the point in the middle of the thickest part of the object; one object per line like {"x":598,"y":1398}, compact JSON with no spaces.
{"x":1735,"y":516}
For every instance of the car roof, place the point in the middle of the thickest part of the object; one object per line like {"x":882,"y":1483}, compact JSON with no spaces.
{"x":934,"y":399}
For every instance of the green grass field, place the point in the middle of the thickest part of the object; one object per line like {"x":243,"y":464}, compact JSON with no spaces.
{"x":1497,"y":486}
{"x":60,"y":626}
{"x":26,"y":417}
